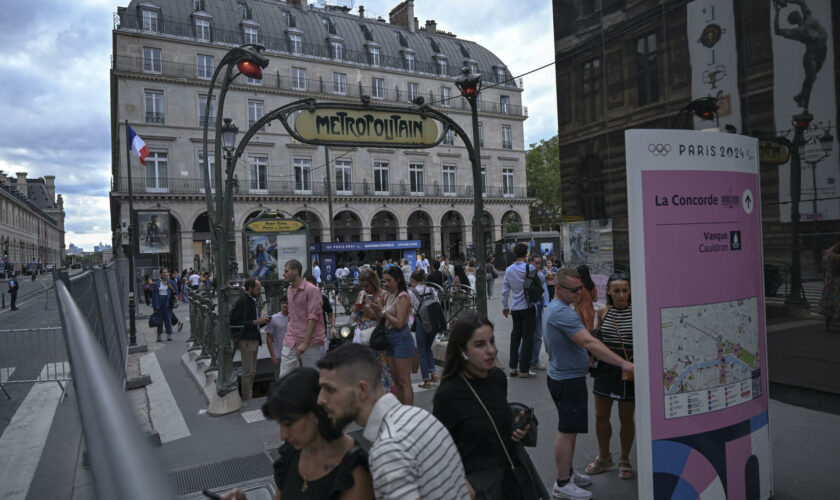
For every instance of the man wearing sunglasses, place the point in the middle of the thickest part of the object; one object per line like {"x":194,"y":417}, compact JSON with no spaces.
{"x":567,"y":342}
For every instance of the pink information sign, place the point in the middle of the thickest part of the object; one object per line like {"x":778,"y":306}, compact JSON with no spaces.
{"x":696,"y":270}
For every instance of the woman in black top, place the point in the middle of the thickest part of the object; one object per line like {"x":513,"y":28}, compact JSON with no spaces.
{"x":316,"y":460}
{"x":470,"y":365}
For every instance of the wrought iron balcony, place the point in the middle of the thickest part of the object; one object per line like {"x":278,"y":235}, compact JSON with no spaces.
{"x":154,"y":118}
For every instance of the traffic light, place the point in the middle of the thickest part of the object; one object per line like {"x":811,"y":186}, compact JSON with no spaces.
{"x":801,"y":121}
{"x":704,"y":108}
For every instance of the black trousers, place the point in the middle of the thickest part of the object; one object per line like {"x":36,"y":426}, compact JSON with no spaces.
{"x":524,"y":324}
{"x":14,"y":299}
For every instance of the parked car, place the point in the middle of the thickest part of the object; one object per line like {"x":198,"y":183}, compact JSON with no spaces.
{"x":76,"y":265}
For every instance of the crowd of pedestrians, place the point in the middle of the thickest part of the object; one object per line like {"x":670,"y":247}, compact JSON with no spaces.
{"x":472,"y":443}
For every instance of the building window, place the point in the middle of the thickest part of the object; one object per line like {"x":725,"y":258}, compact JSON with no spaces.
{"x":500,"y":75}
{"x":151,"y":60}
{"x":449,"y":138}
{"x":473,"y":68}
{"x":484,"y":180}
{"x":481,"y":134}
{"x":298,"y":78}
{"x":295,"y":43}
{"x":154,"y":106}
{"x":408,"y":59}
{"x":380,"y":177}
{"x":377,"y":88}
{"x":157,"y":173}
{"x":441,"y":66}
{"x":255,"y":112}
{"x":445,"y":97}
{"x":591,"y":102}
{"x":199,"y":5}
{"x":415,"y":178}
{"x":339,"y":83}
{"x":337,"y":49}
{"x":343,"y":177}
{"x":204,"y":66}
{"x":373,"y":53}
{"x":303,"y":175}
{"x":206,"y":172}
{"x":504,"y":104}
{"x":251,"y":34}
{"x":150,"y":20}
{"x":202,"y":107}
{"x":506,"y":144}
{"x":258,"y":174}
{"x":202,"y":29}
{"x":449,"y":180}
{"x":507,"y":182}
{"x":647,"y":73}
{"x":413,"y":91}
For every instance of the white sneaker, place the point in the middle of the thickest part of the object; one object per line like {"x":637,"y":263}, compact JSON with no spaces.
{"x":581,"y":479}
{"x":570,"y":491}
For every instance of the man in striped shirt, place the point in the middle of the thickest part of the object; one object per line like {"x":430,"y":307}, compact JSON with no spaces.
{"x":412,"y":455}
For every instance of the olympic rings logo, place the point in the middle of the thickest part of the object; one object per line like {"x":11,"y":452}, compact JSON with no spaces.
{"x":659,"y":149}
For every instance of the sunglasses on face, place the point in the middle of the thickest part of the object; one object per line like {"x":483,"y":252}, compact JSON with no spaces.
{"x":573,"y":290}
{"x":619,"y":276}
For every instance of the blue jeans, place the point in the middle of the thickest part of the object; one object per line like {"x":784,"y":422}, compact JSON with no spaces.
{"x":427,"y":359}
{"x":538,"y":341}
{"x":165,"y":319}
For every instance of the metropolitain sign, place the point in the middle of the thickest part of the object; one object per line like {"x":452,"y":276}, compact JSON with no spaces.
{"x":338,"y":125}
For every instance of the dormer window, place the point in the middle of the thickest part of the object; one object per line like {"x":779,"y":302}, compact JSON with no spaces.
{"x":198,"y":5}
{"x":374,"y":55}
{"x":500,"y":74}
{"x":441,"y":65}
{"x":473,"y":66}
{"x":250,"y":34}
{"x":401,"y":38}
{"x":150,"y":20}
{"x":337,"y":49}
{"x":202,"y":29}
{"x":244,"y":11}
{"x":435,"y":47}
{"x":295,"y":43}
{"x":328,"y":25}
{"x":408,"y":61}
{"x":464,"y":51}
{"x":366,"y":32}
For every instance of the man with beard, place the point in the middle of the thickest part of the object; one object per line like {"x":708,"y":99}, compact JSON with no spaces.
{"x":412,"y":455}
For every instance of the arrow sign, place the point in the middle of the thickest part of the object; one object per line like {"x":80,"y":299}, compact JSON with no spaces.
{"x":748,"y":201}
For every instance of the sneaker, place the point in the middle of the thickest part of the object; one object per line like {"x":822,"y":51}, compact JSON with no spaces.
{"x":570,"y":491}
{"x":513,"y":372}
{"x":169,"y":338}
{"x":538,"y":366}
{"x":158,"y":338}
{"x":581,"y":479}
{"x":530,"y":374}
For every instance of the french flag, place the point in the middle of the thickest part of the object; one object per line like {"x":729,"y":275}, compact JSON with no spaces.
{"x":138,"y":147}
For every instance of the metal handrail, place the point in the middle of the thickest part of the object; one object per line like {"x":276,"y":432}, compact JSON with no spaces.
{"x":121,"y":459}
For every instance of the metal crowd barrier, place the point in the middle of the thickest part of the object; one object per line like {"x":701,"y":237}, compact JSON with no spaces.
{"x":40,"y":350}
{"x":121,"y":459}
{"x":203,"y":316}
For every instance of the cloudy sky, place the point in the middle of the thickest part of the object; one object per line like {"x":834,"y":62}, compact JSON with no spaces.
{"x":54,"y":63}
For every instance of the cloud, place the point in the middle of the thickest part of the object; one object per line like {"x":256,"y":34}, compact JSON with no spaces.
{"x":87,"y":221}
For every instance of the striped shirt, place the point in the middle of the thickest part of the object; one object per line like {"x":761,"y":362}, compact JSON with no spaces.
{"x":609,"y":335}
{"x":412,"y":455}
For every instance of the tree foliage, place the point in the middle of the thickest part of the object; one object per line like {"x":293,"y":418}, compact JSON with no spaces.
{"x":542,"y":166}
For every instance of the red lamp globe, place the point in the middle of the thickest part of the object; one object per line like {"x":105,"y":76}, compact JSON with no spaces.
{"x":250,"y":69}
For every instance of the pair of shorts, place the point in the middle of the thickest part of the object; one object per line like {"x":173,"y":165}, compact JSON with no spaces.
{"x":608,"y":384}
{"x":571,"y":399}
{"x":400,"y":342}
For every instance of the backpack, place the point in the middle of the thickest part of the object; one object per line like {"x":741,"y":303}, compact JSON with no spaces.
{"x":533,"y":287}
{"x":430,"y":313}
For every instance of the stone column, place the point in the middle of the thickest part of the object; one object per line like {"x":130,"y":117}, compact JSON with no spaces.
{"x":365,"y":233}
{"x":187,"y":252}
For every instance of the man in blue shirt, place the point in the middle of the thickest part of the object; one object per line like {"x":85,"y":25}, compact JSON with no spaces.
{"x":524,"y":314}
{"x":536,"y":262}
{"x":567,"y":342}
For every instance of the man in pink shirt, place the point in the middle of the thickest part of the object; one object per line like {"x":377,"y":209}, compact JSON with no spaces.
{"x":305,"y":333}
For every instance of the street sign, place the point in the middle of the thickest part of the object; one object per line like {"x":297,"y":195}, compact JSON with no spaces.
{"x":771,"y":152}
{"x":354,"y":127}
{"x":275,"y":226}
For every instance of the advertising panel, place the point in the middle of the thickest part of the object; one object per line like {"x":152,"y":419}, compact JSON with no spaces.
{"x":153,"y":236}
{"x":270,"y":241}
{"x":589,"y":243}
{"x":710,"y":29}
{"x":803,"y":80}
{"x":696,"y":270}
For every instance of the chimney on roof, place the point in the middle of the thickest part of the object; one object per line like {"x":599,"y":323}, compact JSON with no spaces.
{"x":431,"y":26}
{"x":49,"y":180}
{"x":22,"y":188}
{"x":361,"y":11}
{"x":403,"y":15}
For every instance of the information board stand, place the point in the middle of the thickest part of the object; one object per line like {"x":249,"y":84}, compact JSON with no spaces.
{"x":699,"y":323}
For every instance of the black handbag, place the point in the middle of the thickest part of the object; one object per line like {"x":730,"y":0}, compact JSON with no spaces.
{"x":378,"y":340}
{"x":154,"y":319}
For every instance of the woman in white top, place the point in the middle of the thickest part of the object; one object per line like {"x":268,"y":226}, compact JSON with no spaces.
{"x":471,"y":273}
{"x":424,"y":343}
{"x":406,"y":270}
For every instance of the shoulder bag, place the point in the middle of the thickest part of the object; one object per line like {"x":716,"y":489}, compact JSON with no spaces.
{"x":520,"y":474}
{"x":626,"y":375}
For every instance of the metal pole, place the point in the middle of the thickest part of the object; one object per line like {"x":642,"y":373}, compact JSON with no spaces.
{"x":132,"y":307}
{"x":329,"y":193}
{"x":796,"y":296}
{"x":478,"y":217}
{"x":814,"y":180}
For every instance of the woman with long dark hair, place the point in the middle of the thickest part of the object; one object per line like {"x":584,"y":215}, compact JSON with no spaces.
{"x":585,"y":300}
{"x":316,"y":459}
{"x":472,"y":403}
{"x":401,"y":347}
{"x":616,"y":326}
{"x":370,"y":296}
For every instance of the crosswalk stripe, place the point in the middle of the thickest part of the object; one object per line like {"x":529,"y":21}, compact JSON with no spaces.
{"x":24,"y":438}
{"x":164,"y":412}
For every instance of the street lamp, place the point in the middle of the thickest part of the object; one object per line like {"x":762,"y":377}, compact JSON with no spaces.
{"x":469,"y":84}
{"x":801,"y":121}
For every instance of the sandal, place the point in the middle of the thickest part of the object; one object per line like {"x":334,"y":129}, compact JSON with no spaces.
{"x":425,"y":385}
{"x":625,"y":470}
{"x":434,"y":377}
{"x":600,"y":465}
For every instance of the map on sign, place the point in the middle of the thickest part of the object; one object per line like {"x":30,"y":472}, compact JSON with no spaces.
{"x":710,"y":356}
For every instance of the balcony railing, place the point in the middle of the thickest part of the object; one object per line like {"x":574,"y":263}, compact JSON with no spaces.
{"x":235,"y":36}
{"x":155,"y":118}
{"x":289,"y":187}
{"x":323,"y":86}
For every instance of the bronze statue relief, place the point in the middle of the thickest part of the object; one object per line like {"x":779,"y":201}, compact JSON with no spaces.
{"x":807,"y":30}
